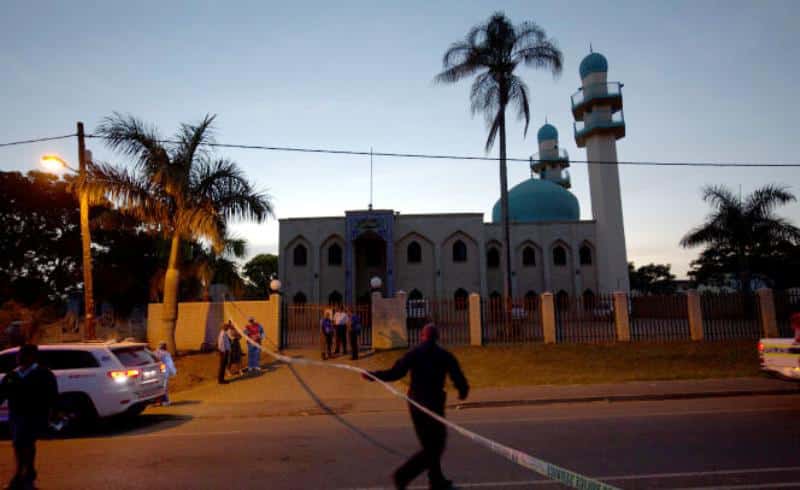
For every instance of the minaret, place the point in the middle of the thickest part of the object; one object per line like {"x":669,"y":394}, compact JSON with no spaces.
{"x":599,"y":123}
{"x":550,"y":162}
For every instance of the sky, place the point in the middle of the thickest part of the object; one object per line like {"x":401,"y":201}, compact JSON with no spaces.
{"x":704,"y":81}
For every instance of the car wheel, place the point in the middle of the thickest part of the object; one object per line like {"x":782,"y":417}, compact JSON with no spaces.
{"x":135,"y":410}
{"x":74,"y":411}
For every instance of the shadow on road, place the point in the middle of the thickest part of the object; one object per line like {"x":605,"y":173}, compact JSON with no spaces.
{"x":147,"y":423}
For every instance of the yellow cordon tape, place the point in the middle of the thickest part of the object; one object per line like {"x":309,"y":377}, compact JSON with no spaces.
{"x":549,"y":470}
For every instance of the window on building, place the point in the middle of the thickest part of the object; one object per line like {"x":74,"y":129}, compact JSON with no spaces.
{"x":461,"y":298}
{"x":335,"y":298}
{"x":414,"y":253}
{"x":374,"y":256}
{"x":589,"y":299}
{"x":559,"y":255}
{"x":528,"y":257}
{"x":414,"y":295}
{"x":299,"y":298}
{"x":459,"y":251}
{"x":562,"y":300}
{"x":300,"y":255}
{"x":493,"y":258}
{"x":335,"y":254}
{"x":531,"y":300}
{"x":586,"y":255}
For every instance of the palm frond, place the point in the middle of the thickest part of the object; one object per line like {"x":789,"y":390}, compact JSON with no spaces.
{"x":762,"y":202}
{"x":518,"y":94}
{"x":133,"y":138}
{"x":493,"y":130}
{"x":720,"y":197}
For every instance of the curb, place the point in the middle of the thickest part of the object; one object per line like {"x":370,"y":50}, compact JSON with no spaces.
{"x":624,"y":398}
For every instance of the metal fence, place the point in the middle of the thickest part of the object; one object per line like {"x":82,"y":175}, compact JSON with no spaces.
{"x":659,"y":317}
{"x":585,"y":319}
{"x":786,"y":303}
{"x":521,"y":323}
{"x":451,"y":316}
{"x":300,"y":324}
{"x":731,"y":316}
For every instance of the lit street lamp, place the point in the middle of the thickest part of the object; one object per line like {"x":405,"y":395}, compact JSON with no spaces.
{"x":54,"y":163}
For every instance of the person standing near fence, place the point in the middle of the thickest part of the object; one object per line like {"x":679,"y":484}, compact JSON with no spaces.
{"x":254,"y":332}
{"x":223,"y":349}
{"x":429,"y":365}
{"x":354,"y":332}
{"x":326,"y":331}
{"x":340,"y":320}
{"x":165,"y":357}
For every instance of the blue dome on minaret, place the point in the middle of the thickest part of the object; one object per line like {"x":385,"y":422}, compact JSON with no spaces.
{"x":594,"y":63}
{"x":547,"y":132}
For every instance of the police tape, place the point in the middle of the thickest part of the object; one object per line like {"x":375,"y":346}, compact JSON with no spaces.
{"x":549,"y":470}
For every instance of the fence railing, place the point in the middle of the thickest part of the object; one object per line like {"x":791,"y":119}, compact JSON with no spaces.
{"x":521,"y":323}
{"x":585,"y":319}
{"x":451,"y":316}
{"x":300,"y":324}
{"x":731,"y":316}
{"x":659,"y":318}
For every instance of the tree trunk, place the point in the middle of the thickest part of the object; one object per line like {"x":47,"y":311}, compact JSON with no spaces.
{"x":509,"y":293}
{"x":170,"y":306}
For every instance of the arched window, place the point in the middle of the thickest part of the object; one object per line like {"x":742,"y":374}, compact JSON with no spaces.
{"x":493,"y":258}
{"x":300,"y":255}
{"x":335,"y":298}
{"x":495,"y":296}
{"x":589,"y":299}
{"x":414,"y":253}
{"x":414,"y":295}
{"x":528,"y":256}
{"x":461,"y":298}
{"x":299,"y":298}
{"x":562,"y":300}
{"x":586,"y":255}
{"x":531,"y":300}
{"x":559,"y":255}
{"x":459,"y":251}
{"x":335,"y":254}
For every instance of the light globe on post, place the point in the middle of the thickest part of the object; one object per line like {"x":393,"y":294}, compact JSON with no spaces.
{"x":275,"y":286}
{"x":375,"y":283}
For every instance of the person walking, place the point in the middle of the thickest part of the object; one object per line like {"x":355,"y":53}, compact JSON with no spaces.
{"x":353,"y":332}
{"x":32,"y":392}
{"x":340,"y":321}
{"x":429,"y":364}
{"x":223,"y":348}
{"x":165,"y":357}
{"x":326,"y":329}
{"x":254,"y":332}
{"x":236,"y":353}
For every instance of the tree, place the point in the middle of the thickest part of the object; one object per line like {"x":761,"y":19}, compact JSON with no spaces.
{"x":740,"y":232}
{"x":177,"y":188}
{"x":259,"y":271}
{"x":493,"y":51}
{"x":652,"y":279}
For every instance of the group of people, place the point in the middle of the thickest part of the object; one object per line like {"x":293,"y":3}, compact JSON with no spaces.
{"x":229,"y":347}
{"x":343,"y":326}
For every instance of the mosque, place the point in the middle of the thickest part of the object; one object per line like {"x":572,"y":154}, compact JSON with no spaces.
{"x":332,"y":259}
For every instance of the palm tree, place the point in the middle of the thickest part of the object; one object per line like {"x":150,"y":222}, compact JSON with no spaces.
{"x":744,"y":228}
{"x":493,"y":51}
{"x":178,"y":188}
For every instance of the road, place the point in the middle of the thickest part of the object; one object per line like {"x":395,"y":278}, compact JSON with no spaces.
{"x":747,"y":442}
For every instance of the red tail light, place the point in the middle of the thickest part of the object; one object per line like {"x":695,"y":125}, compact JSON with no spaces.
{"x":760,"y":347}
{"x":123,"y":375}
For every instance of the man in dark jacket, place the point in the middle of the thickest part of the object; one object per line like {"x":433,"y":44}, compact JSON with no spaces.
{"x":31,"y":391}
{"x":429,"y":364}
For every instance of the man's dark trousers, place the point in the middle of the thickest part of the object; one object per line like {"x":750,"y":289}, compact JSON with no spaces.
{"x":223,"y":364}
{"x":432,"y":435}
{"x":341,"y":338}
{"x":353,"y":344}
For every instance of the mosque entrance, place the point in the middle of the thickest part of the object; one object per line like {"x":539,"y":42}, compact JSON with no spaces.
{"x":370,"y":261}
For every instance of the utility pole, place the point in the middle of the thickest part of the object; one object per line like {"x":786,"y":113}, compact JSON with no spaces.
{"x":86,"y":239}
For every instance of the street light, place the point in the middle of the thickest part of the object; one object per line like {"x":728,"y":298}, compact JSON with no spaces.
{"x":55,"y":163}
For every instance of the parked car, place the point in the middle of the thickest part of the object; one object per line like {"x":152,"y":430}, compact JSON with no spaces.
{"x":96,"y":379}
{"x":780,"y":356}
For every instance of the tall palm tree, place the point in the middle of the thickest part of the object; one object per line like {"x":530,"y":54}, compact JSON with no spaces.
{"x":492,"y":51}
{"x":744,"y":228}
{"x":177,"y":188}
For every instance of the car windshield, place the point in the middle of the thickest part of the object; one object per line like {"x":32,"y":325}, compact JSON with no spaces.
{"x":134,"y":356}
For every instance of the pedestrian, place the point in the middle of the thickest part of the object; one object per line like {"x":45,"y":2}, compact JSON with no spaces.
{"x":236,"y":353}
{"x":429,"y":364}
{"x":223,"y":348}
{"x":254,"y":332}
{"x":340,"y":321}
{"x":354,"y":332}
{"x":326,"y":329}
{"x":32,"y":392}
{"x":165,"y":357}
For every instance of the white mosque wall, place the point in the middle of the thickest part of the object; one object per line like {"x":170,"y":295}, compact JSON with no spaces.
{"x":415,"y":275}
{"x":311,"y":233}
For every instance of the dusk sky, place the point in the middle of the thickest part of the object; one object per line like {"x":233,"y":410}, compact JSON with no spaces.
{"x":704,"y":81}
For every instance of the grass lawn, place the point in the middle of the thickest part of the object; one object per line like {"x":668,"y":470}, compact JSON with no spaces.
{"x":537,"y":364}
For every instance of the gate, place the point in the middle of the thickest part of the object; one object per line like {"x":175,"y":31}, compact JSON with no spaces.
{"x":522,"y":324}
{"x":451,"y":317}
{"x":300,"y":324}
{"x":585,"y":319}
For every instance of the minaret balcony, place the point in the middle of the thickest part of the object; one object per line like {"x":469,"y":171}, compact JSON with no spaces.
{"x":550,"y":156}
{"x":605,"y":94}
{"x":599,"y":123}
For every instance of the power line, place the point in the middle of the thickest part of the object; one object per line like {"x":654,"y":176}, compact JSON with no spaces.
{"x":37,"y":140}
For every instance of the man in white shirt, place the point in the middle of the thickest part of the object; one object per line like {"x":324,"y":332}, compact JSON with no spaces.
{"x":340,"y":322}
{"x":224,"y":348}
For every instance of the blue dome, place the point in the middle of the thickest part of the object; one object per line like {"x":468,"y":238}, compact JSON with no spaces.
{"x":594,"y":63}
{"x":547,"y":132}
{"x":537,"y":200}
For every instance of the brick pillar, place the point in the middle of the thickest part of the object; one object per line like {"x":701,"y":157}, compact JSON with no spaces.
{"x":549,"y":318}
{"x":695,"y":314}
{"x":621,"y":317}
{"x":769,"y":324}
{"x":475,"y":324}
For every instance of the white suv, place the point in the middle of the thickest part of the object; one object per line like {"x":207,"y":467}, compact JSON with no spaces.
{"x":97,"y":379}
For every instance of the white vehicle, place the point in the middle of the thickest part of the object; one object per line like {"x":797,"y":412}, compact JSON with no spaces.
{"x":97,"y":379}
{"x":780,"y":356}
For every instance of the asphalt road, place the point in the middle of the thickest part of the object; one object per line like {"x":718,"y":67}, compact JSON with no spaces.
{"x":748,"y":442}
